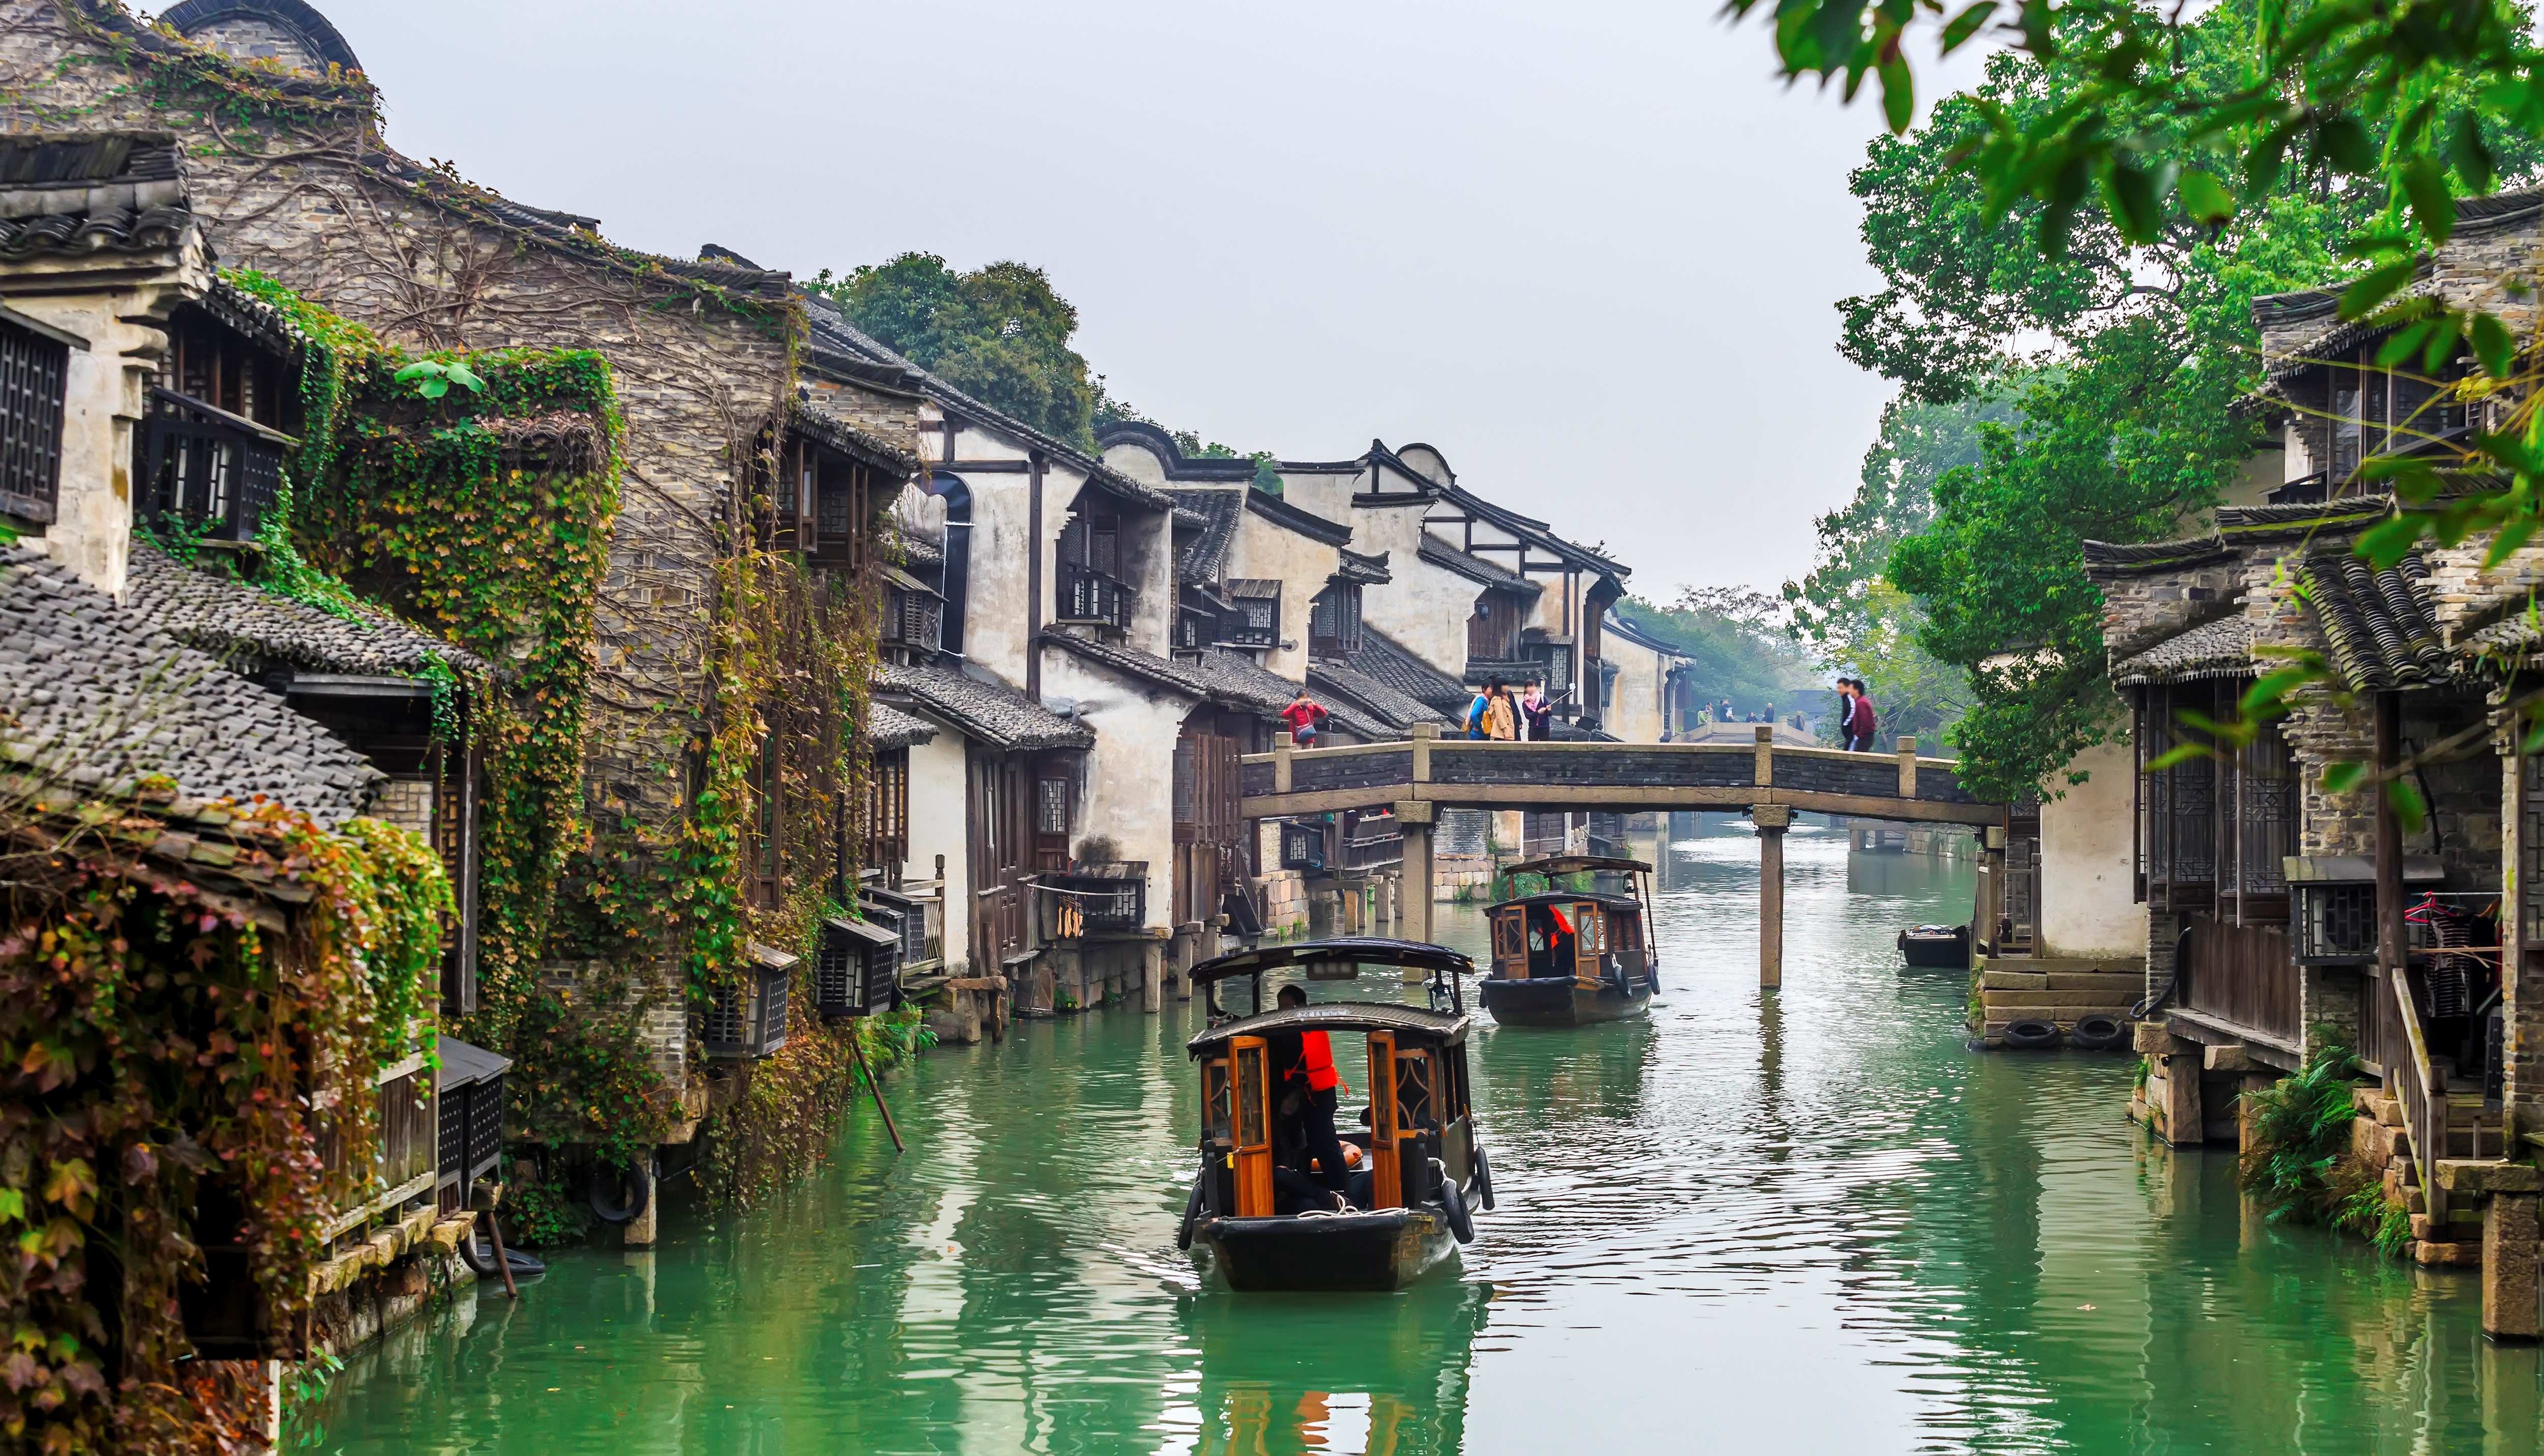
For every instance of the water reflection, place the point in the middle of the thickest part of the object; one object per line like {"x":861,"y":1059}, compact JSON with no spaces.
{"x":1808,"y":1219}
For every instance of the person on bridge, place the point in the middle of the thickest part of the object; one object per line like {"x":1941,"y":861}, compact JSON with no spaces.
{"x":1537,"y":715}
{"x":1310,"y":1092}
{"x":1305,"y":715}
{"x":1501,"y":716}
{"x":1862,"y":722}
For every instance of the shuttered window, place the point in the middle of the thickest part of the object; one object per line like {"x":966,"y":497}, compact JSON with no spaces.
{"x":31,"y":368}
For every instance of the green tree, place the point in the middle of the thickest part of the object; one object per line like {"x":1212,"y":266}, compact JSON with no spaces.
{"x":2099,"y":382}
{"x":999,"y":334}
{"x":1736,"y":639}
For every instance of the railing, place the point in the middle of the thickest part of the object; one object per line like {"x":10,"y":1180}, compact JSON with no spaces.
{"x":1089,"y":596}
{"x":209,"y":469}
{"x":2241,"y":976}
{"x":2423,"y":1093}
{"x":404,"y":1163}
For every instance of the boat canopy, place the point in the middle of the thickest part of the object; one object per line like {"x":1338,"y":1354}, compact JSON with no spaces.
{"x":1575,"y":865}
{"x":1571,"y":898}
{"x":1365,"y":950}
{"x":1443,"y":1028}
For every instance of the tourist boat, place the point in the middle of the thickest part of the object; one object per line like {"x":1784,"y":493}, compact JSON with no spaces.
{"x":1422,"y":1170}
{"x":1570,"y":958}
{"x":1936,"y":945}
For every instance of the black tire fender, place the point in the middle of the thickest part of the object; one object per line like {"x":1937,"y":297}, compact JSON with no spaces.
{"x":1192,"y":1207}
{"x":638,"y":1182}
{"x":2098,"y":1031}
{"x":1454,"y":1204}
{"x":2031,"y":1034}
{"x":1483,"y":1181}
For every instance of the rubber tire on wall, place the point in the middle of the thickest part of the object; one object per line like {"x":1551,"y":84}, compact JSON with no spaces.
{"x":2098,"y":1033}
{"x":1192,"y":1207}
{"x":2031,"y":1033}
{"x":1483,"y":1181}
{"x":1460,"y":1222}
{"x":597,"y":1193}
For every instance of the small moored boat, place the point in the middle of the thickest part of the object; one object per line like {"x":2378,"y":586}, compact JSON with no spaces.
{"x":1936,"y":945}
{"x":1571,"y":957}
{"x":1423,"y":1170}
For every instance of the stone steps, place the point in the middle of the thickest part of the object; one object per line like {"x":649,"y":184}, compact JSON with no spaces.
{"x":2125,"y":988}
{"x":2092,"y":1000}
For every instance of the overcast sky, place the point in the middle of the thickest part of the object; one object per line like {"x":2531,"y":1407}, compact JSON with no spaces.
{"x":1589,"y":251}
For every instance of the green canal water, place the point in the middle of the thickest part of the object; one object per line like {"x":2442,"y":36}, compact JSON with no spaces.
{"x":1809,"y":1222}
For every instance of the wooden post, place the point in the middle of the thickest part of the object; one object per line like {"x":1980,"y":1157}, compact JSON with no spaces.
{"x":1282,"y":745}
{"x":1413,"y":819}
{"x":2391,"y":936}
{"x":1764,"y":772}
{"x":1907,"y":768}
{"x":1423,"y":733}
{"x":1772,"y":819}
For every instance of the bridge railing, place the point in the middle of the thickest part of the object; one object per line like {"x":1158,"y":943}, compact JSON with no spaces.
{"x":1623,"y":774}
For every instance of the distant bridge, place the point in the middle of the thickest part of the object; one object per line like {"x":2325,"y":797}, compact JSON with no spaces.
{"x":1419,"y":777}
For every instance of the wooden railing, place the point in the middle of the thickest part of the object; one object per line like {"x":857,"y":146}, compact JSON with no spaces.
{"x":209,"y":469}
{"x":2241,"y":976}
{"x":2424,"y":1095}
{"x":403,"y":1165}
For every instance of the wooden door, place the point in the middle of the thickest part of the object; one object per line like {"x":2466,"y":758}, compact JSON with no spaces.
{"x":1510,"y":943}
{"x":1385,"y":1186}
{"x":1053,"y":787}
{"x":1254,"y":1128}
{"x":996,"y":837}
{"x":1589,"y":939}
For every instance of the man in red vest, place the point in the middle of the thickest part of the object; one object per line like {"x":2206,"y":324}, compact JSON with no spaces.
{"x":1308,"y":1092}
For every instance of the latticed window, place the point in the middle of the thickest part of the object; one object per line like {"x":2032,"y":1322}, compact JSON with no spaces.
{"x":888,"y":809}
{"x":31,"y":369}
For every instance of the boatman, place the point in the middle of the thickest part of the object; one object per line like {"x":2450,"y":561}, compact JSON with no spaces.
{"x":1310,"y":1086}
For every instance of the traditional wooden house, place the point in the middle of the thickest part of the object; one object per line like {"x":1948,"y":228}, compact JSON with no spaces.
{"x":1643,"y":694}
{"x":2285,"y":912}
{"x":1471,"y":578}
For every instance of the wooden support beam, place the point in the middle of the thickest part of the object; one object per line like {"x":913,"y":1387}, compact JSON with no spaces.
{"x":1416,"y":873}
{"x":1624,"y":798}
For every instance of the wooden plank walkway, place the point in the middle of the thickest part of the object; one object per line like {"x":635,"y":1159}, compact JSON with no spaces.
{"x":1616,"y":777}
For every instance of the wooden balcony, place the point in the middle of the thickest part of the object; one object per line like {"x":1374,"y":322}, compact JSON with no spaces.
{"x":2241,"y":979}
{"x":1090,"y":595}
{"x":403,"y":1165}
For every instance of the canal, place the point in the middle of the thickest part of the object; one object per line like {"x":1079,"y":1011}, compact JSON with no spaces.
{"x":1808,"y":1223}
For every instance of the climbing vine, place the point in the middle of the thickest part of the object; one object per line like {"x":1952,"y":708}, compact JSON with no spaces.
{"x":167,"y":1055}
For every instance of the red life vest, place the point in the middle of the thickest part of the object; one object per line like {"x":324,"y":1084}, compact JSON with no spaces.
{"x":1317,"y":1057}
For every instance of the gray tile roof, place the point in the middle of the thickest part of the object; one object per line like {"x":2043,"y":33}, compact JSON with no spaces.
{"x":1182,"y":677}
{"x":96,"y":696}
{"x":2382,"y":633}
{"x":1474,"y":567}
{"x":815,"y":416}
{"x":887,"y":726}
{"x":223,"y":615}
{"x":1333,"y":680}
{"x":2221,"y":649}
{"x":1218,"y":512}
{"x":89,"y":192}
{"x":1393,"y":665}
{"x":836,"y":336}
{"x":994,"y":714}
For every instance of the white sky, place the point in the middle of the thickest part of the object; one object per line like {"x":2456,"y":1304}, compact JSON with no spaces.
{"x":1589,"y":251}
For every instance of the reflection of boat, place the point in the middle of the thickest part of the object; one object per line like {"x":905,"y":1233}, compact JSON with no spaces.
{"x":1425,"y":1168}
{"x":1936,"y":945}
{"x":1284,"y":1373}
{"x":1570,"y":958}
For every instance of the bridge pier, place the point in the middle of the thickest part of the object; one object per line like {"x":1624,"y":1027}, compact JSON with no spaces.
{"x":1772,"y":819}
{"x":1413,"y":880}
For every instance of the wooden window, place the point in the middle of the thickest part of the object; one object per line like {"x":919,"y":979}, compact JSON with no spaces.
{"x":1333,"y":619}
{"x":1492,"y":633}
{"x":888,"y":809}
{"x":31,"y":371}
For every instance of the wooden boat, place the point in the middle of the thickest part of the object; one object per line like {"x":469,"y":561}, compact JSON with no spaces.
{"x":1936,"y":945}
{"x":1423,"y":1170}
{"x":1571,"y":957}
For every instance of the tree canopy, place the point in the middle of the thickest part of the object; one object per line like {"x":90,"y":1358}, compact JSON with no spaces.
{"x":999,"y":334}
{"x":1736,"y":639}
